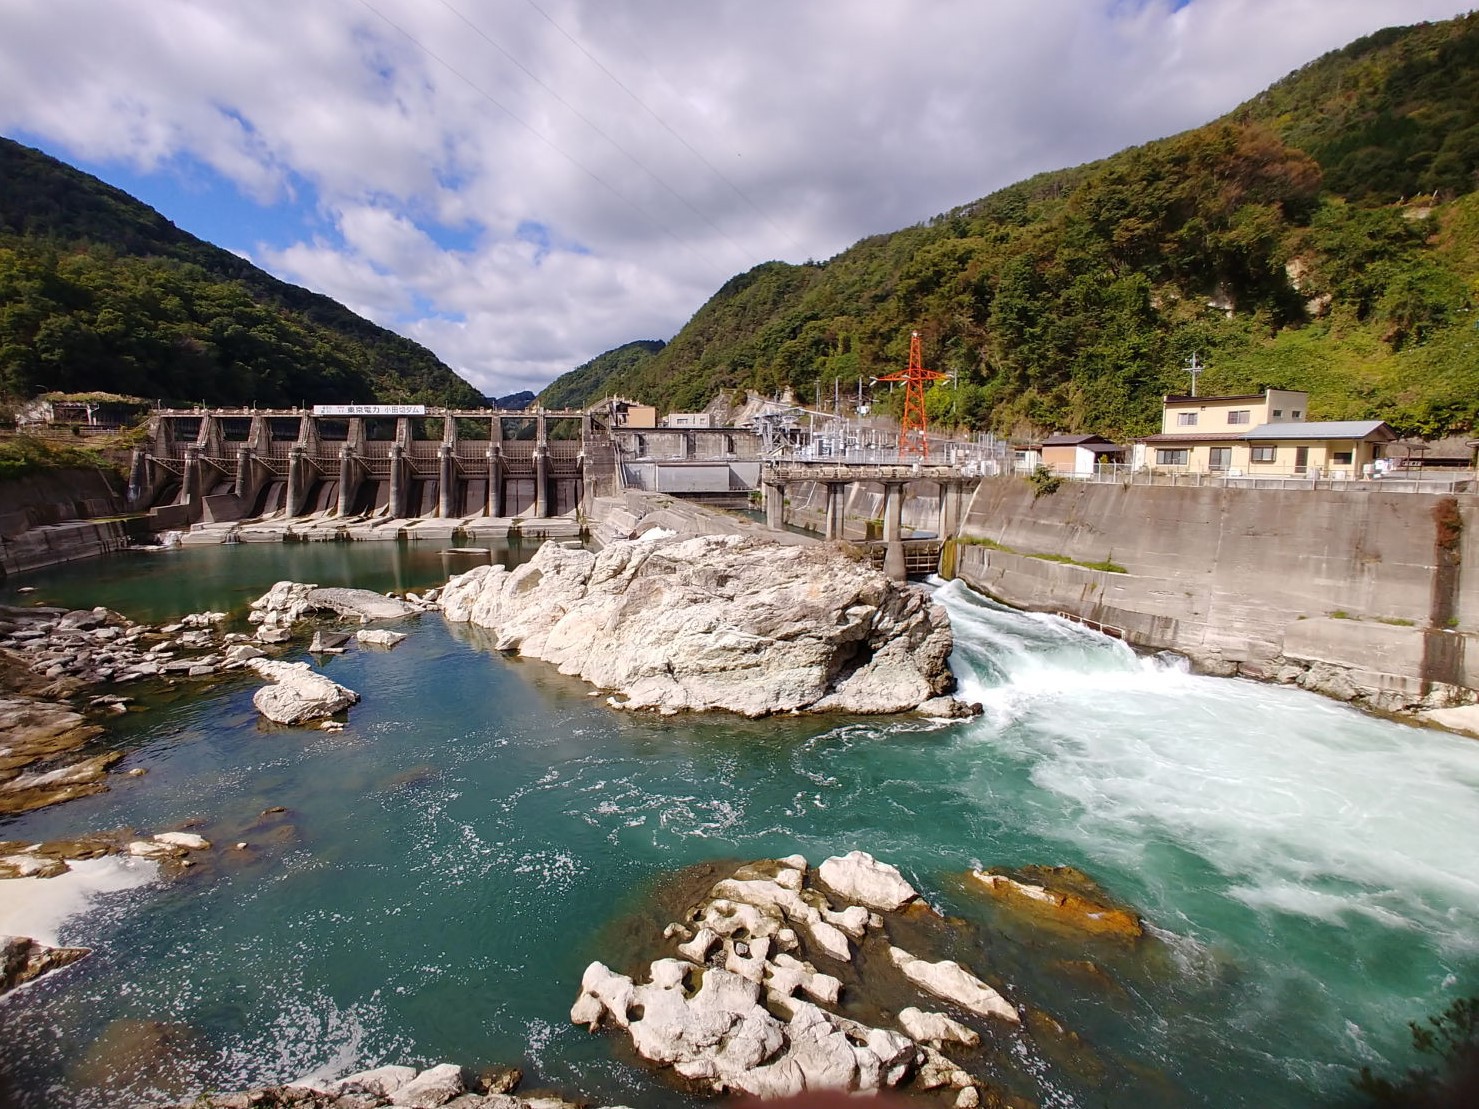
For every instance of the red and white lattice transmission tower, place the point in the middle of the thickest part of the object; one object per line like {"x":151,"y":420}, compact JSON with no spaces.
{"x":914,"y":427}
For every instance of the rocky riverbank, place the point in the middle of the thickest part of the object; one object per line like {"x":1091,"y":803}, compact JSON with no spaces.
{"x":61,"y":671}
{"x":446,"y":1084}
{"x":719,"y":622}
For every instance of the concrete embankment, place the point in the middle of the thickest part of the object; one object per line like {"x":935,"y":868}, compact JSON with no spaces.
{"x":1356,"y":594}
{"x":52,"y":517}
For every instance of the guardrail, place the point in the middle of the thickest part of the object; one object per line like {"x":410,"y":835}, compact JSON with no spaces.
{"x":1400,"y":481}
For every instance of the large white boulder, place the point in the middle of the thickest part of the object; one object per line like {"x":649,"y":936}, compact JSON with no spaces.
{"x":298,"y":693}
{"x":951,"y":981}
{"x":431,"y":1088}
{"x":380,"y":1082}
{"x":936,"y":1028}
{"x":862,"y":879}
{"x":717,"y":622}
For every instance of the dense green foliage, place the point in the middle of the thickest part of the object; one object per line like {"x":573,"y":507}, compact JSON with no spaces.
{"x":588,"y":383}
{"x":1268,"y":243}
{"x":21,"y":455}
{"x":100,"y":292}
{"x":1451,"y":1041}
{"x":1390,"y":115}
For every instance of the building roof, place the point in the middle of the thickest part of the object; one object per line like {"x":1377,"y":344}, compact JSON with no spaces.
{"x":1066,"y":440}
{"x":1452,"y":448}
{"x":1183,"y":398}
{"x":1173,"y":399}
{"x":1196,"y":437}
{"x":1375,"y":430}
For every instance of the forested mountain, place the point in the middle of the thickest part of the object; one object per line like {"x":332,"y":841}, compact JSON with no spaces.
{"x":589,"y":382}
{"x":100,"y":292}
{"x":1325,"y":236}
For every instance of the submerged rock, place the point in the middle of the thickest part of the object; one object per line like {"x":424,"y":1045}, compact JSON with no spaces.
{"x":364,"y":604}
{"x":287,"y":602}
{"x":1064,"y":897}
{"x":717,"y":622}
{"x":378,"y":637}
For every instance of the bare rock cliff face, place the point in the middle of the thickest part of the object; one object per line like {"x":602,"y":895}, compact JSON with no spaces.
{"x":718,"y":622}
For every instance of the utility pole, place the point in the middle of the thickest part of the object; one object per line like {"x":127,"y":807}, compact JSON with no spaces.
{"x":1194,"y":368}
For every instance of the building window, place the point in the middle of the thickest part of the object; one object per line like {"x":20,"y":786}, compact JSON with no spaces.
{"x":1295,"y":414}
{"x":1241,"y":416}
{"x":1341,"y":458}
{"x":1220,"y":458}
{"x":1263,"y":454}
{"x":1186,"y":419}
{"x":1170,"y":458}
{"x":1278,"y":412}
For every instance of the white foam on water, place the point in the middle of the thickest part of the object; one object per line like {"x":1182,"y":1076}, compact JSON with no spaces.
{"x":310,"y":1037}
{"x":1303,"y":805}
{"x":38,"y":907}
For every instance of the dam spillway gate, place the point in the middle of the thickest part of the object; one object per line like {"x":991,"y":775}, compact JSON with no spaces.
{"x":231,"y":464}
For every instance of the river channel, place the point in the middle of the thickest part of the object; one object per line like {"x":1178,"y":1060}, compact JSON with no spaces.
{"x":446,"y":867}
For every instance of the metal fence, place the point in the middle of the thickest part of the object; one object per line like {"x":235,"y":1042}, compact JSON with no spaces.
{"x":1399,"y":481}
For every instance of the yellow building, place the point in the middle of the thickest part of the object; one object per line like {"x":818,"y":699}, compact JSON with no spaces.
{"x":1261,"y":435}
{"x":628,"y":413}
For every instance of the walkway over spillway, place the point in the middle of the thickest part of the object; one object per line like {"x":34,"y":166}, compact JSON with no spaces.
{"x":227,"y":464}
{"x":835,"y":477}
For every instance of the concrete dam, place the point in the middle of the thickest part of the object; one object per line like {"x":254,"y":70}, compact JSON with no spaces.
{"x":218,"y":466}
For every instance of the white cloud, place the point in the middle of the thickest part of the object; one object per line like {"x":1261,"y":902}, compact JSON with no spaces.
{"x":414,"y":123}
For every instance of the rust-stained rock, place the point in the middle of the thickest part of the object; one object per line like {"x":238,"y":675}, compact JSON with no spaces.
{"x":1063,"y":896}
{"x":25,"y":792}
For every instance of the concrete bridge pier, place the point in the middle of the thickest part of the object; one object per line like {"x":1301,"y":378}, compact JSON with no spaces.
{"x":192,"y":486}
{"x":894,"y":564}
{"x":251,"y":475}
{"x":495,"y":482}
{"x":397,"y":481}
{"x":348,"y":481}
{"x":775,"y":505}
{"x":300,"y":477}
{"x":242,"y":485}
{"x":949,"y":521}
{"x":541,"y":481}
{"x":836,"y":503}
{"x":446,"y":475}
{"x":140,"y":488}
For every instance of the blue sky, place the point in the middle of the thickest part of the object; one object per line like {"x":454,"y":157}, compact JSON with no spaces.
{"x":523,"y":184}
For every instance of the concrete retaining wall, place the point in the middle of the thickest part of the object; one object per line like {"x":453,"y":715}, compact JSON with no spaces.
{"x":43,"y":518}
{"x":54,"y":497}
{"x":1269,"y":583}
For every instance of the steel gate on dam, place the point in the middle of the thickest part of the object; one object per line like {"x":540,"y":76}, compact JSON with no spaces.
{"x":217,"y":465}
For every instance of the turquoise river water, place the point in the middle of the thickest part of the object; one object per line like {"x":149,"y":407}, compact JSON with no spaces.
{"x":448,"y":865}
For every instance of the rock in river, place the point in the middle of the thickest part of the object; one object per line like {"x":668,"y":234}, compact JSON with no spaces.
{"x":717,"y":622}
{"x":726,"y":1011}
{"x":22,"y":960}
{"x":298,"y":693}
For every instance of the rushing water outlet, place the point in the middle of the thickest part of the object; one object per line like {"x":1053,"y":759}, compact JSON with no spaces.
{"x":445,"y":868}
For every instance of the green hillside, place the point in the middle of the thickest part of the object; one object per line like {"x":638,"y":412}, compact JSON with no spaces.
{"x":101,"y":292}
{"x":588,"y":382}
{"x":1286,"y":244}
